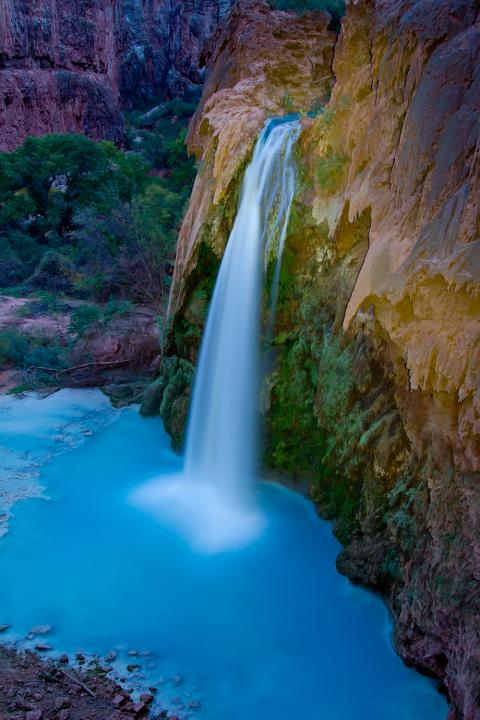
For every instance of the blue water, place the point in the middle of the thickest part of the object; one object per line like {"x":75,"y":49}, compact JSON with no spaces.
{"x":268,"y":632}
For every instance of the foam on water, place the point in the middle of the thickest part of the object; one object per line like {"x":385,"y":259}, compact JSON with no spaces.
{"x":33,"y":431}
{"x":200,"y":513}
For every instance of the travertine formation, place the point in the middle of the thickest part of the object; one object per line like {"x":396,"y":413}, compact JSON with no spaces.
{"x":261,"y":64}
{"x":378,"y":350}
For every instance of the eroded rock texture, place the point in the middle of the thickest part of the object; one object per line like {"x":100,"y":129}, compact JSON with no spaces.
{"x":375,"y":395}
{"x":261,"y":64}
{"x":70,"y":66}
{"x":161,"y":43}
{"x":58,"y":69}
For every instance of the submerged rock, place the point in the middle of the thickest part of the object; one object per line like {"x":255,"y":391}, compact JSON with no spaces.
{"x":41,"y":630}
{"x":146,"y":698}
{"x":140,"y":709}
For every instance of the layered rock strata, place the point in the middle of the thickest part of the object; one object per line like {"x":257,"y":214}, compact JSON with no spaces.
{"x":71,"y":67}
{"x":58,"y":69}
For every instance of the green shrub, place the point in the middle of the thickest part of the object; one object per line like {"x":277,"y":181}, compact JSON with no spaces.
{"x":44,"y":183}
{"x":25,"y":350}
{"x":12,"y":269}
{"x":13,"y":347}
{"x":84,"y":317}
{"x":44,"y":352}
{"x":87,"y":219}
{"x":54,"y":272}
{"x":116,"y":308}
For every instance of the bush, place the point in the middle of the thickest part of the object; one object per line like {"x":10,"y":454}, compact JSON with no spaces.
{"x":44,"y":352}
{"x":84,"y":317}
{"x":116,"y":308}
{"x":54,"y":272}
{"x":12,"y":269}
{"x":86,"y":219}
{"x":25,"y":351}
{"x":13,"y":347}
{"x":45,"y":181}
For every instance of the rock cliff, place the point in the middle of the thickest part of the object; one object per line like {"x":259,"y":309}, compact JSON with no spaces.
{"x":70,"y":67}
{"x":375,"y":394}
{"x":160,"y":46}
{"x":260,"y":64}
{"x":58,"y":69}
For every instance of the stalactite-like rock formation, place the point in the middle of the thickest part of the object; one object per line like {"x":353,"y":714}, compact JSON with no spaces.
{"x":375,"y":392}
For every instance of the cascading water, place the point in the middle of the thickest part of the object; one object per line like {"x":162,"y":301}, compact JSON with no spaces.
{"x":212,"y":500}
{"x":221,"y":440}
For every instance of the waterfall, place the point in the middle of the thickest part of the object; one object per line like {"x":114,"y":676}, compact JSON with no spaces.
{"x":222,"y":431}
{"x":213,"y":500}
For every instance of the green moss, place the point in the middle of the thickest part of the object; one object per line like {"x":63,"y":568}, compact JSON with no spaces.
{"x":326,"y":400}
{"x":188,"y":324}
{"x":179,"y":376}
{"x":330,"y":169}
{"x":152,"y":398}
{"x":310,"y":398}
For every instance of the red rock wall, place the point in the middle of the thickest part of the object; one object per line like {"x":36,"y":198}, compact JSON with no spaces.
{"x":69,"y":66}
{"x":58,"y":69}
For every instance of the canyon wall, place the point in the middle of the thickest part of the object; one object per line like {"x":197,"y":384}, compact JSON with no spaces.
{"x":160,"y":47}
{"x":71,"y":67}
{"x":58,"y":69}
{"x":374,"y":398}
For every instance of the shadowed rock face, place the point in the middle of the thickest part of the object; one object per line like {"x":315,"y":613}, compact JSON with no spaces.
{"x":160,"y":47}
{"x":58,"y":69}
{"x":381,"y":300}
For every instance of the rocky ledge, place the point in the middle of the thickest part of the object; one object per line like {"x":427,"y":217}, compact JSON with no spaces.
{"x":33,"y":689}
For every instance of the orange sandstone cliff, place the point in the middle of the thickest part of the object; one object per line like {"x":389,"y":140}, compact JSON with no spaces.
{"x":375,"y":395}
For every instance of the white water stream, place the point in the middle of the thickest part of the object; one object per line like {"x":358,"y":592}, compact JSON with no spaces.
{"x":213,"y":501}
